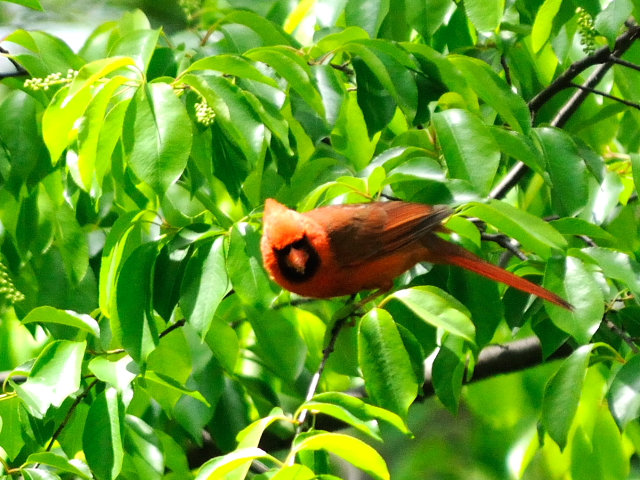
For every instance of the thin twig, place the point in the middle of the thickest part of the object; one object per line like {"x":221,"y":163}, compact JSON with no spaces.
{"x":20,"y":70}
{"x":326,"y":353}
{"x":606,"y":95}
{"x":623,"y":335}
{"x":505,"y":242}
{"x":604,"y":58}
{"x":507,"y":71}
{"x":624,"y":63}
{"x":315,"y":381}
{"x":171,"y":328}
{"x":72,"y":409}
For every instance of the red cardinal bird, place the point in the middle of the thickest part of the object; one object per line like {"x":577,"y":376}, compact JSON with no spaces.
{"x":343,"y":249}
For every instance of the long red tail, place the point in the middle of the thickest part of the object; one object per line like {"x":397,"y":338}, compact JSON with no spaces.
{"x":452,"y":254}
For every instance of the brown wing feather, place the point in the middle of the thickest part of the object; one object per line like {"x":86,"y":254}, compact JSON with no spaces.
{"x":360,"y":232}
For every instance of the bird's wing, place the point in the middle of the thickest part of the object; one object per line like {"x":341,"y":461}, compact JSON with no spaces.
{"x":361,"y":232}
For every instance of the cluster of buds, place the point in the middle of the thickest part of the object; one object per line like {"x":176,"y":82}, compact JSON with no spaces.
{"x":190,"y":7}
{"x":587,"y":31}
{"x":9,"y":294}
{"x":204,"y":113}
{"x":50,"y":80}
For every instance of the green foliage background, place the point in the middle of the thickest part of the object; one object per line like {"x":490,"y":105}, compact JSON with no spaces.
{"x":140,"y":335}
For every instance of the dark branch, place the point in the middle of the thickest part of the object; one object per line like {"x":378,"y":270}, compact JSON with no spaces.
{"x":72,"y":409}
{"x":606,"y":95}
{"x":600,"y":56}
{"x":604,"y":58}
{"x":505,"y":242}
{"x":20,"y":70}
{"x":506,"y":358}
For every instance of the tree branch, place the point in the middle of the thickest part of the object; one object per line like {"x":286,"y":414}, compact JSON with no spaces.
{"x":604,"y":57}
{"x":20,"y":70}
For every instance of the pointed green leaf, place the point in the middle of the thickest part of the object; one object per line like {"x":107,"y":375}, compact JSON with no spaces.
{"x":157,"y":136}
{"x":469,"y":149}
{"x":104,"y":435}
{"x":204,"y":285}
{"x":574,"y":282}
{"x":54,"y":376}
{"x":532,"y":232}
{"x":439,"y":309}
{"x":55,"y":461}
{"x":624,"y":393}
{"x":218,"y":468}
{"x":385,"y":364}
{"x":48,"y":314}
{"x":493,"y":89}
{"x":562,"y":394}
{"x":349,"y":448}
{"x":135,"y":325}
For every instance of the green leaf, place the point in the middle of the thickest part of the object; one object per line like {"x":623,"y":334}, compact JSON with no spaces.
{"x":532,"y":232}
{"x":48,"y":314}
{"x":635,"y":166}
{"x":353,"y":411}
{"x":520,"y":147}
{"x":244,"y":265}
{"x":624,"y":393}
{"x":351,"y":449}
{"x":386,"y":367}
{"x":135,"y":325}
{"x":618,"y":266}
{"x":60,"y":117}
{"x":610,"y":20}
{"x":295,"y":472}
{"x":234,"y":113}
{"x":578,"y":226}
{"x":11,"y":438}
{"x":55,"y":461}
{"x":232,"y":65}
{"x":562,"y":394}
{"x":54,"y":376}
{"x":543,"y":23}
{"x":267,"y":30}
{"x":144,"y":451}
{"x":350,"y":136}
{"x":572,"y":280}
{"x":38,"y":474}
{"x":469,"y":149}
{"x":104,"y":435}
{"x":223,"y":341}
{"x":86,"y":170}
{"x":204,"y":285}
{"x":485,"y":15}
{"x":139,"y":45}
{"x":218,"y":468}
{"x":567,"y":170}
{"x":391,"y":67}
{"x":119,"y":374}
{"x":448,"y":372}
{"x":157,"y":136}
{"x":334,"y":41}
{"x":72,"y":242}
{"x":293,"y":69}
{"x":494,"y":90}
{"x":173,"y":386}
{"x":20,"y":135}
{"x":439,"y":309}
{"x":366,"y":15}
{"x":52,"y":55}
{"x":35,"y":4}
{"x":124,"y":236}
{"x":250,"y":438}
{"x":279,"y":342}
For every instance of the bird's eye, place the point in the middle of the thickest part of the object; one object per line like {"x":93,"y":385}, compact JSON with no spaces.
{"x":298,"y":261}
